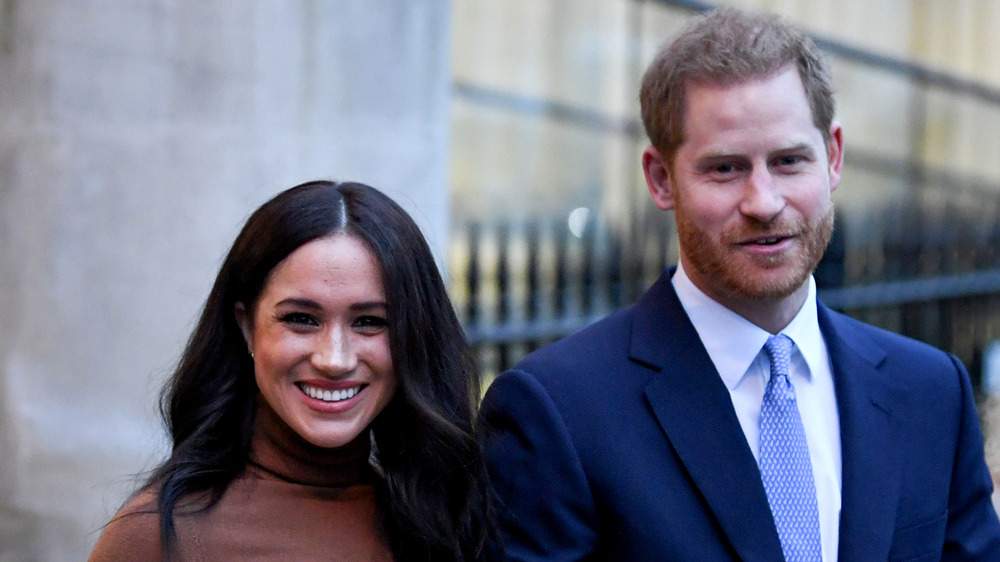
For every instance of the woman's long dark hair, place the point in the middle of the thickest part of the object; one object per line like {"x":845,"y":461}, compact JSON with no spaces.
{"x":434,"y":497}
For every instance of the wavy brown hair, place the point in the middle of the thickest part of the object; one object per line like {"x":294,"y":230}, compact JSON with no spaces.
{"x":434,"y":497}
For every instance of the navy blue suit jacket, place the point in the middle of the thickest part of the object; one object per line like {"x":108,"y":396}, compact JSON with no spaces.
{"x":621,"y":443}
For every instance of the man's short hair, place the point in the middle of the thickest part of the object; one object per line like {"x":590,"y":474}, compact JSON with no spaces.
{"x":726,"y":47}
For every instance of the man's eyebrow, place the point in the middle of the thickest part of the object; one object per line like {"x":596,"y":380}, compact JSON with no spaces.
{"x":796,"y":147}
{"x":723,"y":154}
{"x":720,"y":155}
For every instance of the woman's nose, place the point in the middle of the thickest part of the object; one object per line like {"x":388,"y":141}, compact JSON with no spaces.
{"x":335,"y":354}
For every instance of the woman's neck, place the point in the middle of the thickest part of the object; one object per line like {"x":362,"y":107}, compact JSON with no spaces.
{"x":278,"y":449}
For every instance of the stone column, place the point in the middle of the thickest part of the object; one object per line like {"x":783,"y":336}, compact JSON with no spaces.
{"x":135,"y":138}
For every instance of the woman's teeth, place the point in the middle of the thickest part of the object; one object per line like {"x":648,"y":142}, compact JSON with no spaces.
{"x":329,"y":395}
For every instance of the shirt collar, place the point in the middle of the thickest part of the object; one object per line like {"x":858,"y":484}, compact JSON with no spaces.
{"x":733,"y":342}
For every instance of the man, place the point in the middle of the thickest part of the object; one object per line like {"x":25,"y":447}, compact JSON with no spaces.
{"x":728,"y":415}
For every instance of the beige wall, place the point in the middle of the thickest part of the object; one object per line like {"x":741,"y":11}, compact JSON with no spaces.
{"x":135,"y":137}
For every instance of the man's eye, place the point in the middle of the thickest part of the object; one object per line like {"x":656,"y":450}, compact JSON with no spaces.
{"x":299,"y":319}
{"x":789,"y":160}
{"x":725,"y":168}
{"x":370,"y":324}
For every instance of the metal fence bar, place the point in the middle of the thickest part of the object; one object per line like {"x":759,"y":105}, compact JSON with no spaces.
{"x":539,"y":330}
{"x":894,"y":293}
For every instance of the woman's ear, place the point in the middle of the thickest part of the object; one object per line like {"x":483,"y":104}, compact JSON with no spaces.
{"x":244,"y":323}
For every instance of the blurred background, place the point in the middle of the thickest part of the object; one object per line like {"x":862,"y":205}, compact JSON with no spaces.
{"x":137,"y":135}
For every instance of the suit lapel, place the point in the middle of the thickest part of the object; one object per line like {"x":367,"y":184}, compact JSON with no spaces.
{"x":866,"y":400}
{"x":692,"y":405}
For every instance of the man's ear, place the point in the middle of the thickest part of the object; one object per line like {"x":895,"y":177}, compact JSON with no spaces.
{"x":835,"y":148}
{"x":658,"y":179}
{"x":244,"y":323}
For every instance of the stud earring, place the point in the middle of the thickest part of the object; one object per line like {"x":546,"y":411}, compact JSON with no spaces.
{"x":251,"y":354}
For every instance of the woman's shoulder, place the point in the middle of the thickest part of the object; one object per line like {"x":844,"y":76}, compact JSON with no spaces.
{"x":133,"y":533}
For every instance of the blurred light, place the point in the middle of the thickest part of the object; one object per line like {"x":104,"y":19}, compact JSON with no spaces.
{"x":991,"y":368}
{"x":578,"y":221}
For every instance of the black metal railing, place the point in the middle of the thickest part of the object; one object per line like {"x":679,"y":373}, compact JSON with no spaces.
{"x":932,"y":273}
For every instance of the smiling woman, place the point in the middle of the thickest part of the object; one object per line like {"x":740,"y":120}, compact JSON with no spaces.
{"x":320,"y":341}
{"x":328,"y":331}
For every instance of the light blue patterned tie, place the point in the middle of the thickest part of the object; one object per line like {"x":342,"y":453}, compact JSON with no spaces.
{"x":784,"y":460}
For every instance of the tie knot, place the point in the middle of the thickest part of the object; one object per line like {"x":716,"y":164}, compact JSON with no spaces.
{"x":779,"y":352}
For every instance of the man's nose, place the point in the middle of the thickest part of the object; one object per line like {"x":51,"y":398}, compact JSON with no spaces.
{"x":762,"y":196}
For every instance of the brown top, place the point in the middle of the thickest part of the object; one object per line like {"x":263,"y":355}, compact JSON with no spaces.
{"x":294,"y":501}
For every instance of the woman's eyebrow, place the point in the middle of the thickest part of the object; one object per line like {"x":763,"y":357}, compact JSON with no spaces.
{"x":313,"y":305}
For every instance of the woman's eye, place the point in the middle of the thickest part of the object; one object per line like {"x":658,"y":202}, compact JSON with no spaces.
{"x":370,"y":324}
{"x":299,"y":319}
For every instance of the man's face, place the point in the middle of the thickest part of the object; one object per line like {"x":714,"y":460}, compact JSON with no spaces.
{"x":750,"y":188}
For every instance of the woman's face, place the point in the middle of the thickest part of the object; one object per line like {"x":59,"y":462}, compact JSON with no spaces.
{"x":320,"y":340}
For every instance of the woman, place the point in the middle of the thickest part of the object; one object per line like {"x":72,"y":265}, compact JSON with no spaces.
{"x":323,"y":408}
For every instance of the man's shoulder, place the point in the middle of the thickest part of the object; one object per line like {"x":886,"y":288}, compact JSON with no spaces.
{"x":573,"y":383}
{"x":884,"y":346}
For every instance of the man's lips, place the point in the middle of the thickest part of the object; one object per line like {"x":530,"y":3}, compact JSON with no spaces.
{"x":767,"y":240}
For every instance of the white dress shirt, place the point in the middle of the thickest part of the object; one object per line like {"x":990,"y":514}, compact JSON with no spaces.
{"x":735,"y":346}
